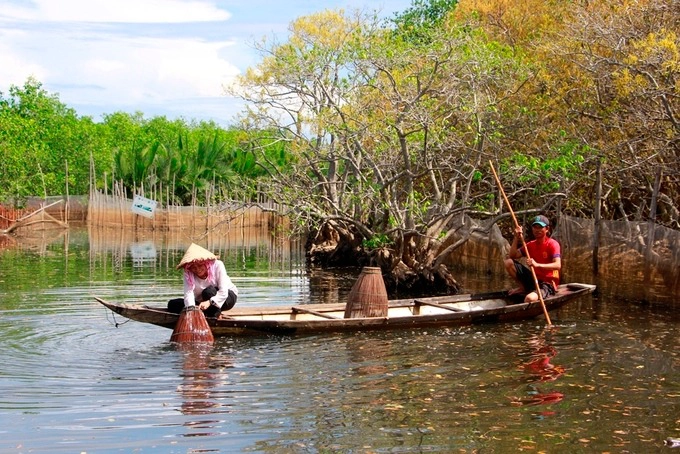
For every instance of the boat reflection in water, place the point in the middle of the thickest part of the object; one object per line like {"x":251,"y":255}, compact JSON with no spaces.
{"x":540,"y":369}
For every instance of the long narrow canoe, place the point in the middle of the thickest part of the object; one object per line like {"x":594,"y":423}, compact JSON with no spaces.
{"x":454,"y":310}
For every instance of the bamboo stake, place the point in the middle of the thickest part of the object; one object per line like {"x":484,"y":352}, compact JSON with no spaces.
{"x":533,"y":272}
{"x":598,"y":217}
{"x":68,"y":202}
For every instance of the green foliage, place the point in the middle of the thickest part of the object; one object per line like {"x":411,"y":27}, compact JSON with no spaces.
{"x":41,"y":141}
{"x":484,"y":203}
{"x":46,"y":146}
{"x":547,"y":173}
{"x":199,"y":161}
{"x":414,"y":23}
{"x":420,"y":204}
{"x":133,"y":164}
{"x":377,"y":242}
{"x":477,"y":176}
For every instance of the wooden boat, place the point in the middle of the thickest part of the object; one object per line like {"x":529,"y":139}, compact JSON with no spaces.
{"x":454,"y":310}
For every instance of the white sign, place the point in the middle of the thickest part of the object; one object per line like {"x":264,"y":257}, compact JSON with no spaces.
{"x":143,"y":206}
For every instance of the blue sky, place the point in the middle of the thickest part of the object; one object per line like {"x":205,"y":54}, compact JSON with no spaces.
{"x":159,"y":57}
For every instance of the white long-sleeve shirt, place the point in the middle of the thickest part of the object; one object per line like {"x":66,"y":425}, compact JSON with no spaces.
{"x":194,"y":285}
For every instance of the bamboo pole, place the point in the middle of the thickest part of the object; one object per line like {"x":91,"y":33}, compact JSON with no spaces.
{"x":651,"y":234}
{"x":67,"y":195}
{"x":598,"y":218}
{"x":533,"y":272}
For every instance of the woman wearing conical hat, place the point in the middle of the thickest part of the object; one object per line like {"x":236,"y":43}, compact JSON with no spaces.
{"x":206,"y":283}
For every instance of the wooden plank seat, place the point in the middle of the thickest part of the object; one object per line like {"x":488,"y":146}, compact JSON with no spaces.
{"x":440,"y":306}
{"x":302,"y":310}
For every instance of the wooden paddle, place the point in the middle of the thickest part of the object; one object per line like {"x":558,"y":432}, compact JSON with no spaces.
{"x":524,"y":245}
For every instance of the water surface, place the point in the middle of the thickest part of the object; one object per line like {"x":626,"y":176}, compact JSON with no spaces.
{"x":76,"y":378}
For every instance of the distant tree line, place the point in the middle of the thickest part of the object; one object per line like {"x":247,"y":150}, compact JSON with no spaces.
{"x":48,"y":149}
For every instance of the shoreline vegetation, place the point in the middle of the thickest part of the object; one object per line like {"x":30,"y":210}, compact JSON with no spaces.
{"x":371,"y":138}
{"x":650,"y":249}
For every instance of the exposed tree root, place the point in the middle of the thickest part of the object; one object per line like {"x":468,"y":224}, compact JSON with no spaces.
{"x":328,"y":249}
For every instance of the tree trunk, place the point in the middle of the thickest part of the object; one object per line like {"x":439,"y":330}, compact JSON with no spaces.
{"x":410,"y":274}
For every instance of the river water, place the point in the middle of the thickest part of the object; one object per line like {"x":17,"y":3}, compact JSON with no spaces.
{"x":76,"y":379}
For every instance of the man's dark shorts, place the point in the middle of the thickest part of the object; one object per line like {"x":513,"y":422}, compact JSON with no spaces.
{"x":527,"y":279}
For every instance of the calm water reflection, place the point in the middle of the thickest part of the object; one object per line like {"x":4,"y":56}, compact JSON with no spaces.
{"x":76,"y":379}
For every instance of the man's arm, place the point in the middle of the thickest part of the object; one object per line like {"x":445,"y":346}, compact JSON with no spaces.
{"x":515,"y":252}
{"x":556,"y":264}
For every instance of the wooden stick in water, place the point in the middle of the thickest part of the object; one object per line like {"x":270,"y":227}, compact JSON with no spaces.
{"x":526,"y":251}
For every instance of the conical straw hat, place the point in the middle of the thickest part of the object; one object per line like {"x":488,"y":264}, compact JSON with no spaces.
{"x":195,"y":253}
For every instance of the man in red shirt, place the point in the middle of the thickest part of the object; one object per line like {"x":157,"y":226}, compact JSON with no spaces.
{"x":545,"y":259}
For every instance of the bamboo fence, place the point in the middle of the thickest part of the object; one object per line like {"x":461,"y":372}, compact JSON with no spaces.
{"x":116,"y":210}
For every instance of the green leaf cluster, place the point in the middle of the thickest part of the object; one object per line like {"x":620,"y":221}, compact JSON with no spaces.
{"x":377,"y":242}
{"x":547,"y":174}
{"x":45,"y":146}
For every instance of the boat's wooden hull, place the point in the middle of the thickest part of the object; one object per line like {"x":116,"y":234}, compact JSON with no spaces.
{"x":456,"y":310}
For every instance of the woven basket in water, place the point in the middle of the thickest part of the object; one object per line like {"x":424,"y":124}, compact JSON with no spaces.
{"x":192,"y":327}
{"x":368,"y":296}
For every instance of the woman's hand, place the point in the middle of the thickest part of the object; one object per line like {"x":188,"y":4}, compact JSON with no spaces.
{"x":204,"y":305}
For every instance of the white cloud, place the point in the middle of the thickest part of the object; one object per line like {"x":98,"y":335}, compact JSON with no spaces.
{"x":138,"y":69}
{"x":159,"y":57}
{"x":14,"y":66}
{"x":123,"y":66}
{"x":116,"y":11}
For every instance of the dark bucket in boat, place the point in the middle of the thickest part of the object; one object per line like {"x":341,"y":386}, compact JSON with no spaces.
{"x":192,"y":326}
{"x":368,"y":296}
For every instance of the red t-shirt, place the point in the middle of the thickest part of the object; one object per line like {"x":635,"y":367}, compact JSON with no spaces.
{"x":544,"y":253}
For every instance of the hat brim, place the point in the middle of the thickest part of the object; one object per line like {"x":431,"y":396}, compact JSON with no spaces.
{"x":196,"y":253}
{"x":542,"y":224}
